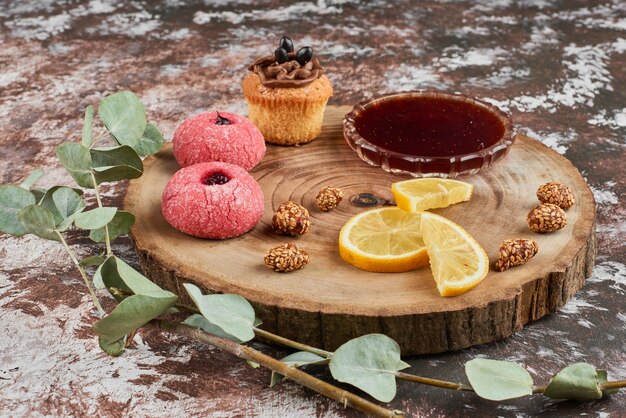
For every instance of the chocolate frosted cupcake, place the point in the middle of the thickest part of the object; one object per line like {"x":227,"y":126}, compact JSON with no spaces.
{"x":287,"y":93}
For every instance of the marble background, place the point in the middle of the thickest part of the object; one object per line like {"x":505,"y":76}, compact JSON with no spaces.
{"x":558,"y":66}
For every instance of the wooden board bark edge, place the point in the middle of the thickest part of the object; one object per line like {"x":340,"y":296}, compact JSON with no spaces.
{"x":416,"y":334}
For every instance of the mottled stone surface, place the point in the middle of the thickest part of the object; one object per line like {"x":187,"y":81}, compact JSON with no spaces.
{"x":557,"y":66}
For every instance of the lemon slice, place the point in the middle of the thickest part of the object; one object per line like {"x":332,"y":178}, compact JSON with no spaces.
{"x":457,"y":261}
{"x":422,"y":194}
{"x":386,"y":240}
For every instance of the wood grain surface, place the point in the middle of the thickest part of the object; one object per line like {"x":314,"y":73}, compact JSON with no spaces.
{"x":330,"y":301}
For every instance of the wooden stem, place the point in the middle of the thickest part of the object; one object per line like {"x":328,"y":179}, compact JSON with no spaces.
{"x":248,"y":353}
{"x":433,"y":382}
{"x":290,"y":343}
{"x":94,"y":297}
{"x":618,"y":384}
{"x":107,"y":238}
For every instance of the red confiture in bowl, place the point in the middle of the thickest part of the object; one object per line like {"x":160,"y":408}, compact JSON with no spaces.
{"x":429,"y":133}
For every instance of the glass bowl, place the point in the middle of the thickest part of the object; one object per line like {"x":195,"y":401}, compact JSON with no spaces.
{"x":454,"y":158}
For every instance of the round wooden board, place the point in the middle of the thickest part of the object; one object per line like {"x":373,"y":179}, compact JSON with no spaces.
{"x":330,"y":301}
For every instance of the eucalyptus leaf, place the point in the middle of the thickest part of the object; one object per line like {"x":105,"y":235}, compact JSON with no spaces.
{"x":115,"y":273}
{"x":151,"y":141}
{"x":577,"y":381}
{"x":38,"y":221}
{"x":112,"y":348}
{"x":603,"y":377}
{"x":369,"y":362}
{"x":199,"y":321}
{"x":119,"y":225}
{"x":98,"y":281}
{"x":87,"y":126}
{"x":77,"y":161}
{"x":32,"y":179}
{"x":12,"y":200}
{"x":47,"y":201}
{"x":38,"y":193}
{"x":498,"y":380}
{"x":67,"y":202}
{"x":116,"y":163}
{"x":124,"y":116}
{"x":132,"y":313}
{"x":298,"y":359}
{"x":232,"y":313}
{"x":95,"y":218}
{"x":92,"y":260}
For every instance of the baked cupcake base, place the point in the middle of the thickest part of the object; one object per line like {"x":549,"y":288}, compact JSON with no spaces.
{"x":287,"y":116}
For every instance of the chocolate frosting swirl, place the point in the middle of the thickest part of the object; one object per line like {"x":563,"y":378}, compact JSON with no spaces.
{"x":288,"y":74}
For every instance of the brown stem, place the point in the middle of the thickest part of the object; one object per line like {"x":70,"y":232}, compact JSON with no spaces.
{"x":290,"y":343}
{"x":618,"y":384}
{"x":273,"y":337}
{"x":539,"y":389}
{"x":249,"y":353}
{"x":130,"y":338}
{"x":433,"y":382}
{"x":107,"y":238}
{"x":92,"y":292}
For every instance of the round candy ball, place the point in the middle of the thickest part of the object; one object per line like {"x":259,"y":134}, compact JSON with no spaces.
{"x":218,"y":136}
{"x":212,"y":200}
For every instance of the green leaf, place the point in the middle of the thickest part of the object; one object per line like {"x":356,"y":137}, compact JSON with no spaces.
{"x":298,"y":359}
{"x":119,"y":225}
{"x":577,"y":381}
{"x":603,"y":377}
{"x":115,"y":273}
{"x":12,"y":200}
{"x":232,"y":313}
{"x":151,"y":141}
{"x":199,"y":321}
{"x":38,"y":193}
{"x":116,"y":163}
{"x":95,"y":218}
{"x":32,"y":179}
{"x":64,"y":203}
{"x":369,"y":363}
{"x":67,"y":202}
{"x":112,"y":348}
{"x":124,"y":116}
{"x":77,"y":161}
{"x":87,"y":126}
{"x":38,"y":221}
{"x":92,"y":260}
{"x":498,"y":380}
{"x":132,"y":313}
{"x":148,"y":301}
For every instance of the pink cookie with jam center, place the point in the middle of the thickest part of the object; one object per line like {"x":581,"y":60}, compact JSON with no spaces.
{"x":218,"y":136}
{"x":212,"y":200}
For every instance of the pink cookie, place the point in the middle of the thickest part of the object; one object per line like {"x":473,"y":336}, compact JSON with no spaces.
{"x":212,"y":200}
{"x":218,"y":136}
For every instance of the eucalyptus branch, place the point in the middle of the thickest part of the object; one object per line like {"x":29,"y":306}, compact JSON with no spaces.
{"x":618,"y":384}
{"x":92,"y":292}
{"x":433,"y":382}
{"x":250,"y":354}
{"x":107,"y":238}
{"x":290,"y":343}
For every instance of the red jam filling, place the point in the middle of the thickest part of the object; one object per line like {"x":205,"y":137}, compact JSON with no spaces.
{"x":429,"y":127}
